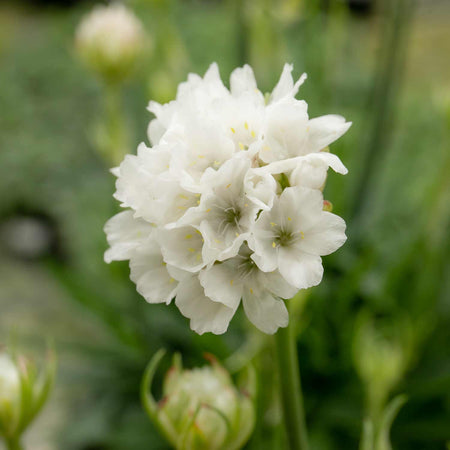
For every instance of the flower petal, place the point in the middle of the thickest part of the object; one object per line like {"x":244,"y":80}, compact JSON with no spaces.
{"x":221,"y":285}
{"x":300,"y":269}
{"x":205,"y":314}
{"x":125,"y":234}
{"x":326,"y":236}
{"x":276,"y":284}
{"x":242,"y":80}
{"x":324,"y":130}
{"x":149,"y":272}
{"x":285,"y":86}
{"x":264,"y":311}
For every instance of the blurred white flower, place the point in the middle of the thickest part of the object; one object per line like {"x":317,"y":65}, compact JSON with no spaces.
{"x":227,"y":204}
{"x":109,"y":40}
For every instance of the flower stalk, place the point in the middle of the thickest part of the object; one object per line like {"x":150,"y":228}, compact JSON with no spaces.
{"x":290,"y":386}
{"x":13,"y":444}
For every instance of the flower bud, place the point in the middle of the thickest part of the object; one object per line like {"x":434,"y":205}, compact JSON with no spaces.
{"x":109,"y":40}
{"x":327,"y":206}
{"x":23,"y":392}
{"x":201,"y":408}
{"x":9,"y":392}
{"x":380,"y":361}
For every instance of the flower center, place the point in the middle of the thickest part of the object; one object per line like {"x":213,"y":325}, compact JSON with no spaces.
{"x":284,"y":238}
{"x":246,"y":267}
{"x":232,"y":215}
{"x":229,"y":217}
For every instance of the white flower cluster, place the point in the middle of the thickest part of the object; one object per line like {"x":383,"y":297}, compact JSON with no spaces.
{"x":227,"y":203}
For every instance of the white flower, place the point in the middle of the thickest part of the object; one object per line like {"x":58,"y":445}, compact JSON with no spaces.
{"x":293,"y":235}
{"x":239,"y":278}
{"x":227,"y":205}
{"x":109,"y":39}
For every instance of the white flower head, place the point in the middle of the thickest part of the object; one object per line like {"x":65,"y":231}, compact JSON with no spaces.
{"x":227,"y":205}
{"x":109,"y":39}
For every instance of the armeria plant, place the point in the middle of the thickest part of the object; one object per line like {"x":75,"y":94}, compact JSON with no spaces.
{"x":226,"y":206}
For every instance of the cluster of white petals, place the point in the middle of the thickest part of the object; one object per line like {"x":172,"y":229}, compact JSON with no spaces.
{"x":226,"y":205}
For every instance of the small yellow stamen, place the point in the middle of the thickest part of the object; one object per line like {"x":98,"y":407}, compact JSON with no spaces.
{"x":184,"y":197}
{"x":217,"y":241}
{"x":273,"y":244}
{"x":273,"y":224}
{"x":231,"y":282}
{"x":233,"y":130}
{"x":171,"y":280}
{"x":198,"y":202}
{"x":302,"y":234}
{"x":208,"y":210}
{"x":237,"y":234}
{"x":192,"y":250}
{"x":188,"y":236}
{"x":228,"y":185}
{"x":246,"y":204}
{"x":289,"y":219}
{"x":253,"y":134}
{"x":201,"y":156}
{"x":246,"y":125}
{"x":198,"y":232}
{"x":241,"y":145}
{"x":251,"y":291}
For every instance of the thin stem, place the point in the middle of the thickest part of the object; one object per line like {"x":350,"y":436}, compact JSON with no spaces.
{"x":385,"y":92}
{"x":290,"y":386}
{"x":115,"y":123}
{"x":13,"y":443}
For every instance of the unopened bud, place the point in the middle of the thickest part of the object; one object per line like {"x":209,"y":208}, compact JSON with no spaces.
{"x":9,"y":393}
{"x":23,"y":392}
{"x":201,"y":408}
{"x":327,"y":206}
{"x":380,"y":361}
{"x":109,"y":40}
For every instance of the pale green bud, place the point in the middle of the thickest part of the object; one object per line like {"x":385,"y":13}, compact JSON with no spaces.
{"x":109,"y":40}
{"x":23,"y":392}
{"x":381,"y":360}
{"x":201,"y":408}
{"x":10,"y":394}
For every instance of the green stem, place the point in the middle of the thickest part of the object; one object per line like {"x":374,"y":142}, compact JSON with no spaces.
{"x":290,"y":386}
{"x":13,"y":443}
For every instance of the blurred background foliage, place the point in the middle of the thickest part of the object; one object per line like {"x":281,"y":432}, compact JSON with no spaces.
{"x":377,"y":326}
